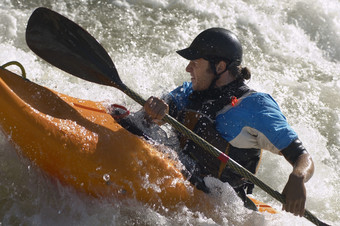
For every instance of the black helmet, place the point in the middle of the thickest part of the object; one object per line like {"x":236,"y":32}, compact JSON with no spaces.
{"x":214,"y":43}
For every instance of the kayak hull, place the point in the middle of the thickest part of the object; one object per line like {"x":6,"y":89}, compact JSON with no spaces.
{"x":77,"y":142}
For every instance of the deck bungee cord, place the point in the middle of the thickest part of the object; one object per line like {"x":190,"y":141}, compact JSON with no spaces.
{"x":23,"y":71}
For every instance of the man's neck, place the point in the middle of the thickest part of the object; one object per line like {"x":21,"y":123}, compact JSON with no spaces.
{"x":225,"y":79}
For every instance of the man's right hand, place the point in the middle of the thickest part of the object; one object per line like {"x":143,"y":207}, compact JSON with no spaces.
{"x":156,"y":109}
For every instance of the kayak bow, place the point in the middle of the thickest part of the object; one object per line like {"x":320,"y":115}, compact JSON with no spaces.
{"x":81,"y":145}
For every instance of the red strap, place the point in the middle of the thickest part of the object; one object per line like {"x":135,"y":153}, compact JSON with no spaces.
{"x":120,"y":116}
{"x":223,"y":157}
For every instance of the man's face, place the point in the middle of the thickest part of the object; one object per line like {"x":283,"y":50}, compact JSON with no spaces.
{"x":201,"y":74}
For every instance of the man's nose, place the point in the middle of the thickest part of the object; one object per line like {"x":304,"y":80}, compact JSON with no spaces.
{"x":189,"y":67}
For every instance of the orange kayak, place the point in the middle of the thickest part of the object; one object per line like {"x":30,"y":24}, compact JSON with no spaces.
{"x":78,"y":143}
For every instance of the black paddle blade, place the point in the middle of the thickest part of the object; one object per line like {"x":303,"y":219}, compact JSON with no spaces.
{"x":66,"y":45}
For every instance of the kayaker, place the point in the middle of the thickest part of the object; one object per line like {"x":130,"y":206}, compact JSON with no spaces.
{"x":222,"y":109}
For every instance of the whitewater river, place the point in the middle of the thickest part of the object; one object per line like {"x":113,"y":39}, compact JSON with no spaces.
{"x":291,"y":47}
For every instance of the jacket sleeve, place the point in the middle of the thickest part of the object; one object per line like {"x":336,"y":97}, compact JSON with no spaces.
{"x":293,"y":151}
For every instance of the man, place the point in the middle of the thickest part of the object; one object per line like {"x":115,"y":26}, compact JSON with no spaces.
{"x":220,"y":108}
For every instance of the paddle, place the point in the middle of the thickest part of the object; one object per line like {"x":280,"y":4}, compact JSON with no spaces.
{"x":66,"y":45}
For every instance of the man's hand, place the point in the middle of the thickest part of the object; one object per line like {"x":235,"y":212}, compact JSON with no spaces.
{"x":156,"y":109}
{"x":295,"y":193}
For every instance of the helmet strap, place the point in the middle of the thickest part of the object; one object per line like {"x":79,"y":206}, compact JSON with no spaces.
{"x":217,"y":75}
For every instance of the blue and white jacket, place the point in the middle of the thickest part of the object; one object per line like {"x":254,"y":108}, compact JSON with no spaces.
{"x":255,"y":122}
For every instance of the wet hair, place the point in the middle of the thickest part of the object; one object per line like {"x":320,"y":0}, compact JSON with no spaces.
{"x":239,"y":72}
{"x":235,"y":68}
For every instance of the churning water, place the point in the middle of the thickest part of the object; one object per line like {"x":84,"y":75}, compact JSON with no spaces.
{"x":293,"y":51}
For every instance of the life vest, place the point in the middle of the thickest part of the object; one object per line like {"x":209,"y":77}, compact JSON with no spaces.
{"x":199,"y":116}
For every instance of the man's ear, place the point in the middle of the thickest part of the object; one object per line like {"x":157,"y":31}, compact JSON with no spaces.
{"x":221,"y":66}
